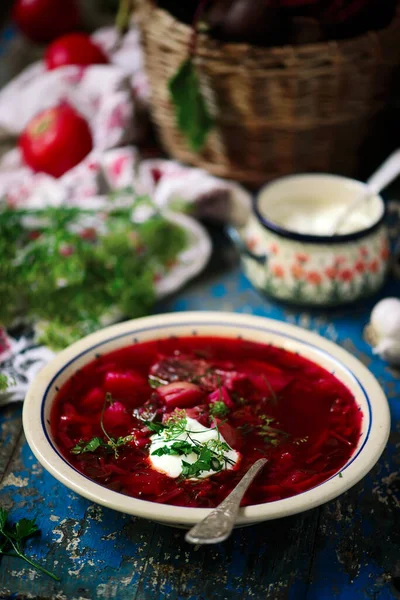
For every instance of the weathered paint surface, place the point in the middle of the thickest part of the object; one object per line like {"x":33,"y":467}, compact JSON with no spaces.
{"x":347,"y":549}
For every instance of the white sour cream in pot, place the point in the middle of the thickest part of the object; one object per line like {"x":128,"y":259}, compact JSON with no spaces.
{"x":171,"y":465}
{"x":308,"y":216}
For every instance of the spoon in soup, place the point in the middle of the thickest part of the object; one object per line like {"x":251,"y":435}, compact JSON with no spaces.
{"x":384,"y":175}
{"x":218,"y":524}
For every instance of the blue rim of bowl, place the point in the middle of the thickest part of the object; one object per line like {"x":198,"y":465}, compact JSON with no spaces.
{"x":316,"y":239}
{"x":136,"y":332}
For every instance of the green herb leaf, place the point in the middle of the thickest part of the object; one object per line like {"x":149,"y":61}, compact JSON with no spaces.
{"x":271,"y":435}
{"x":25,"y":528}
{"x":241,"y":401}
{"x":12,"y":539}
{"x":176,"y":424}
{"x":5,"y":382}
{"x":219,"y":409}
{"x":90,"y":446}
{"x":66,"y":282}
{"x":192,"y":115}
{"x":122,"y":441}
{"x":154,"y":426}
{"x":299,"y":441}
{"x":211,"y":458}
{"x":3,"y":518}
{"x":95,"y":443}
{"x":156,"y":382}
{"x":176,"y":449}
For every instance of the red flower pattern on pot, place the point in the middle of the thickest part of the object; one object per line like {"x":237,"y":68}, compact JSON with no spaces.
{"x":297,"y":271}
{"x":314,"y":278}
{"x":302,"y":257}
{"x":340,"y":260}
{"x":364,"y":252}
{"x":278,"y":271}
{"x":346,"y":275}
{"x":331,"y":272}
{"x":274,"y":249}
{"x":360,"y":266}
{"x":385,"y":252}
{"x":374,"y":266}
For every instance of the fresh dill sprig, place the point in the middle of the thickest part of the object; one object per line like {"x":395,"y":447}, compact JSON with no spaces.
{"x":68,"y":268}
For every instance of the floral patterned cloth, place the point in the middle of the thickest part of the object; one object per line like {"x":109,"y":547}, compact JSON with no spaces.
{"x":20,"y":360}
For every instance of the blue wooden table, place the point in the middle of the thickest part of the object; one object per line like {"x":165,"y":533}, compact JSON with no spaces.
{"x":346,"y":549}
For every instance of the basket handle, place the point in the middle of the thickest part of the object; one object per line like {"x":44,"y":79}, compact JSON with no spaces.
{"x":239,"y":243}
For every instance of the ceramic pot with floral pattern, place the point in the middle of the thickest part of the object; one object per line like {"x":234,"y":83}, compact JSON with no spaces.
{"x":297,"y":247}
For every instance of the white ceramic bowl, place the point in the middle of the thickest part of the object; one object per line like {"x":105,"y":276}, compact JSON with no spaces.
{"x":363,"y":385}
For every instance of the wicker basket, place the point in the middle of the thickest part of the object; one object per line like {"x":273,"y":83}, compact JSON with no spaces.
{"x":278,"y":110}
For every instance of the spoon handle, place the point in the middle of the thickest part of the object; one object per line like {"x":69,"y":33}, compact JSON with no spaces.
{"x":218,"y":525}
{"x":385,"y":174}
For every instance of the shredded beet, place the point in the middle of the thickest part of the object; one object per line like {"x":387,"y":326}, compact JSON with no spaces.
{"x":265,"y":401}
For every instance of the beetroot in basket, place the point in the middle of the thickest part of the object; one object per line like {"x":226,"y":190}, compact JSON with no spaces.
{"x":277,"y":22}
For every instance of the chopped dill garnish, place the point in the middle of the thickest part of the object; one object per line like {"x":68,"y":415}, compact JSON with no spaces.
{"x":219,"y":409}
{"x":271,"y":435}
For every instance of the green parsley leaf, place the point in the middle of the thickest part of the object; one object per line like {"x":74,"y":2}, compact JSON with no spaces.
{"x":11,"y":539}
{"x":211,"y":458}
{"x":176,"y":449}
{"x":90,"y":446}
{"x":95,"y":443}
{"x":3,"y":518}
{"x":340,"y":475}
{"x":24,"y":528}
{"x":192,"y":115}
{"x":154,"y":426}
{"x":219,"y":409}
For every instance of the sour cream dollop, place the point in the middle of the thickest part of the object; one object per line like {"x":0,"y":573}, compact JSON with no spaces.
{"x":194,"y":432}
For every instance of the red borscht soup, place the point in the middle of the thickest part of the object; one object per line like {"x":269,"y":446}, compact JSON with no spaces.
{"x":179,"y":420}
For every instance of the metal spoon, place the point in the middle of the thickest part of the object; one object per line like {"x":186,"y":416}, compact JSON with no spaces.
{"x":384,"y":175}
{"x":218,"y":525}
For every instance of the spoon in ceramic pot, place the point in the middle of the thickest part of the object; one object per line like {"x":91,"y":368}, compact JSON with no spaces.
{"x":384,"y":175}
{"x":218,"y":525}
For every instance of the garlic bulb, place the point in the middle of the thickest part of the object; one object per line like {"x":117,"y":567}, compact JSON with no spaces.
{"x":384,"y":330}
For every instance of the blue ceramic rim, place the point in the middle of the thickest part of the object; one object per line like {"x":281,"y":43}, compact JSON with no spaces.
{"x":136,"y":332}
{"x":317,"y":239}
